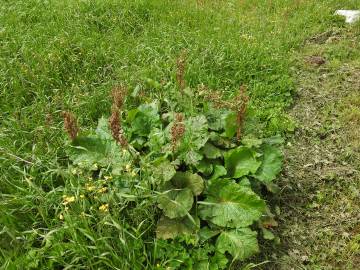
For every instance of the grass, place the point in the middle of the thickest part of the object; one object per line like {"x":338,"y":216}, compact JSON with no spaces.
{"x":67,"y":55}
{"x":321,"y":178}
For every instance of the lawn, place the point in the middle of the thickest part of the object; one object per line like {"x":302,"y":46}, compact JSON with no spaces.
{"x":68,"y":55}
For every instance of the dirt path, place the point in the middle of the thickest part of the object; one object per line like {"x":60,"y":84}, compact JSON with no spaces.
{"x":320,"y":197}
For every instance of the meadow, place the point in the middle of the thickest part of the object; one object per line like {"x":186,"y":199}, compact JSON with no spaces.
{"x":68,"y":56}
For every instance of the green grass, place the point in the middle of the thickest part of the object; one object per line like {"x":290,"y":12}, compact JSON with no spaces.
{"x":67,"y":55}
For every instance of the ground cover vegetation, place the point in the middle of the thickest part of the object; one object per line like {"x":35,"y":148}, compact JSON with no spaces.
{"x":171,"y":171}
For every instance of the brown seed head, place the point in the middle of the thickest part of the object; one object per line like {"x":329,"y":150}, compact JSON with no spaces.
{"x":241,"y":102}
{"x":177,"y":130}
{"x":70,"y":125}
{"x":114,"y":122}
{"x":115,"y":126}
{"x":118,"y":94}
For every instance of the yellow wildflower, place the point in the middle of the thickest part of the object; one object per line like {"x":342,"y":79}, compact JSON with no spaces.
{"x":95,"y":166}
{"x":68,"y":199}
{"x":104,"y":207}
{"x":128,"y":167}
{"x":133,"y":173}
{"x":102,"y":190}
{"x":82,"y":196}
{"x":108,"y":177}
{"x":61,"y":216}
{"x":89,"y":187}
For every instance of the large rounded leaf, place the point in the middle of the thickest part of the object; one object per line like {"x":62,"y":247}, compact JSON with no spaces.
{"x":194,"y":138}
{"x":218,"y":172}
{"x":91,"y":151}
{"x":188,"y":180}
{"x":171,"y":228}
{"x":231,"y":205}
{"x":241,"y":161}
{"x":163,"y":171}
{"x":210,"y":151}
{"x":240,"y":243}
{"x":230,"y":125}
{"x":272,"y":160}
{"x":144,"y":119}
{"x":176,"y":203}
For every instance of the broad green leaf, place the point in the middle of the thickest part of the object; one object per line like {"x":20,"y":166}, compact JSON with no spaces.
{"x":91,"y":152}
{"x":195,"y":137}
{"x":206,"y":233}
{"x":201,"y":265}
{"x":176,"y":203}
{"x":102,"y":129}
{"x":156,"y":140}
{"x":240,"y":243}
{"x":163,"y":171}
{"x":210,"y":151}
{"x":131,"y":115}
{"x":205,"y":167}
{"x":275,"y":140}
{"x":218,"y":172}
{"x":171,"y":228}
{"x":245,"y":184}
{"x":216,"y":118}
{"x":196,"y":129}
{"x":138,"y":142}
{"x":191,"y":157}
{"x":218,"y":261}
{"x":189,"y":180}
{"x":251,"y":142}
{"x":144,"y":119}
{"x":271,"y":163}
{"x":230,"y":205}
{"x":219,"y":141}
{"x":241,"y":161}
{"x":230,"y":125}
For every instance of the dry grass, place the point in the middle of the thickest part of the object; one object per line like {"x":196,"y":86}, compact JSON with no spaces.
{"x":319,"y":224}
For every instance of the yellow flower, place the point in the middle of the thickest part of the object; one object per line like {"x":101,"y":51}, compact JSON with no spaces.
{"x":108,"y":177}
{"x":68,"y":199}
{"x":61,"y":216}
{"x":102,"y":190}
{"x":95,"y":166}
{"x":127,"y":167}
{"x":82,"y":196}
{"x":133,"y":173}
{"x":89,"y":187}
{"x":104,"y":207}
